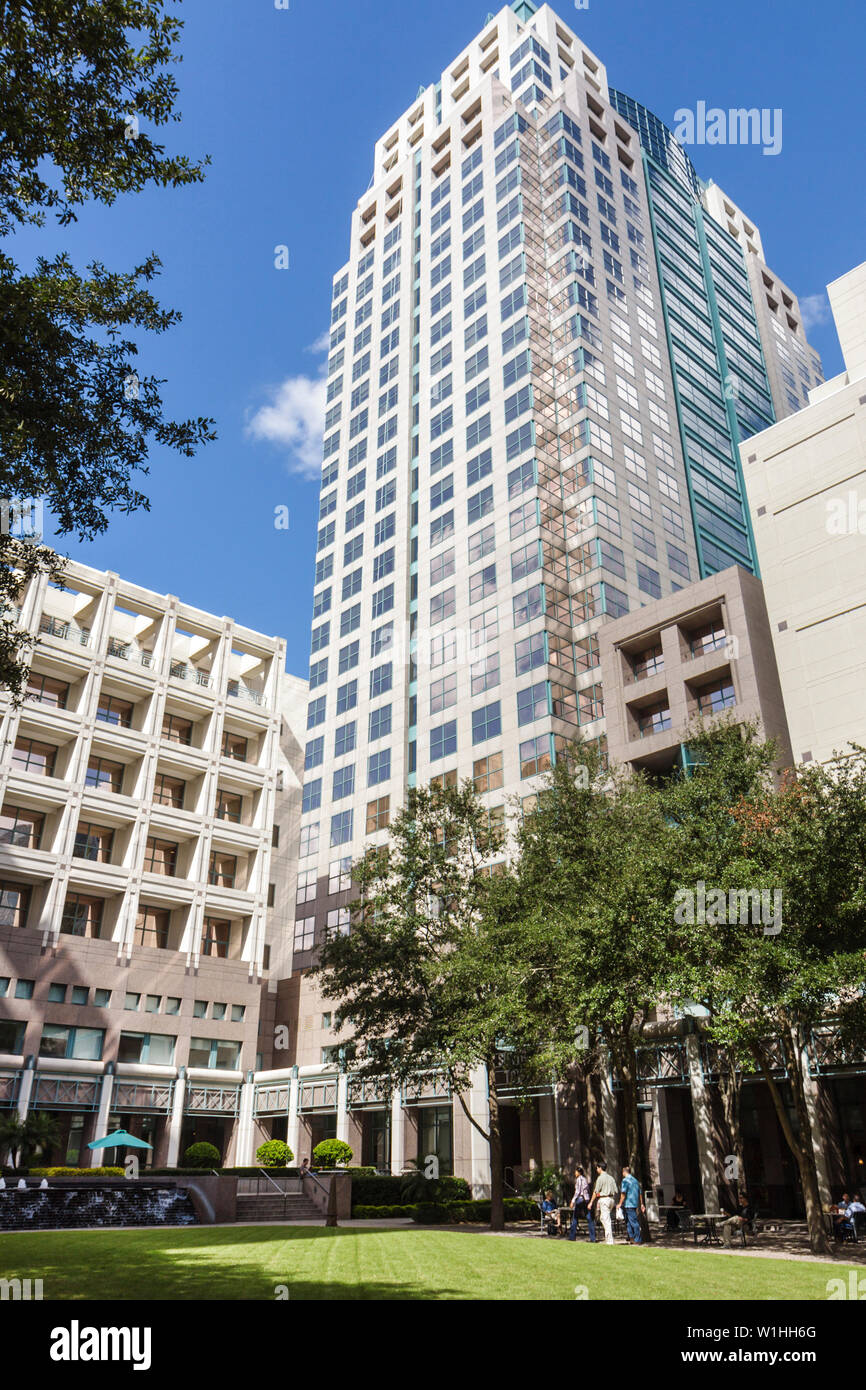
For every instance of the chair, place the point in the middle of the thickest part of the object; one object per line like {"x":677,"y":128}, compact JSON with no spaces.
{"x":546,"y":1219}
{"x":684,"y":1220}
{"x":860,"y":1225}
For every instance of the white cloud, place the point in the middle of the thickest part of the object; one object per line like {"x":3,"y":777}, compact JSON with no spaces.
{"x":815,"y":309}
{"x":294,"y":418}
{"x":322,"y":343}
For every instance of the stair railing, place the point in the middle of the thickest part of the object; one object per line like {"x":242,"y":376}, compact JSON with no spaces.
{"x":282,"y":1191}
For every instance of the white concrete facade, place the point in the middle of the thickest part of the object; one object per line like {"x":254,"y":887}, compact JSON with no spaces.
{"x":806,"y":480}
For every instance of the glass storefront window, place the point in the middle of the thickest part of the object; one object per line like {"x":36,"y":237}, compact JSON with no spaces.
{"x":435,"y":1136}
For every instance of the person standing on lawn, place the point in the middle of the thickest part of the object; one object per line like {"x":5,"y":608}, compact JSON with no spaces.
{"x":580,"y":1206}
{"x":604,"y":1193}
{"x":631,"y":1199}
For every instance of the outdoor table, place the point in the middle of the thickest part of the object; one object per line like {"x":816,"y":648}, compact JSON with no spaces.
{"x":709,"y":1219}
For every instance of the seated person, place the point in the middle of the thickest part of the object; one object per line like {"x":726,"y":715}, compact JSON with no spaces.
{"x":739,"y":1223}
{"x":551,"y":1214}
{"x":857,"y":1213}
{"x":678,"y":1204}
{"x":843,"y":1221}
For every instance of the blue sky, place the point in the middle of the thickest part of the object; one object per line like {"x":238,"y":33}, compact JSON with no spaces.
{"x":289,"y":103}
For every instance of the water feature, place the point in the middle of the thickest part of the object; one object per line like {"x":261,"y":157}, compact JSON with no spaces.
{"x":64,"y":1208}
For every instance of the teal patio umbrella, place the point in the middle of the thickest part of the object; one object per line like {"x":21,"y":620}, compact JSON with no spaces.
{"x":120,"y":1139}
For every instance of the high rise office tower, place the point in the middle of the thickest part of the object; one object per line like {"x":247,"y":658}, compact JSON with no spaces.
{"x":544,"y":353}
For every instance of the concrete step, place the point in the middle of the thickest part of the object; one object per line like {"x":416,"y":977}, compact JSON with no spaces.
{"x":272,"y":1207}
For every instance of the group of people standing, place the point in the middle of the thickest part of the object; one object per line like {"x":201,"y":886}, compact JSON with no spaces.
{"x":601,"y":1202}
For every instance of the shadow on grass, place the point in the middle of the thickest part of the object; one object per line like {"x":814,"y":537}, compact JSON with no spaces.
{"x":221,"y":1265}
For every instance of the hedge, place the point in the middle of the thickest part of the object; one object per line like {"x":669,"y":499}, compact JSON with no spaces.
{"x":71,"y":1172}
{"x":456,"y":1213}
{"x":256,"y":1172}
{"x":385,"y":1190}
{"x":364,"y":1213}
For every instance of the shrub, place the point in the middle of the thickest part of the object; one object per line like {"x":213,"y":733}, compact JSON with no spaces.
{"x":430,"y":1213}
{"x":364,"y":1213}
{"x":77,"y":1172}
{"x":201,"y":1155}
{"x":548,"y":1179}
{"x":434,"y":1213}
{"x":331,"y":1152}
{"x":385,"y":1190}
{"x":274,"y":1154}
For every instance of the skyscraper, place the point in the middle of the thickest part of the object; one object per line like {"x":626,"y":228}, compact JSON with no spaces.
{"x":545,"y":350}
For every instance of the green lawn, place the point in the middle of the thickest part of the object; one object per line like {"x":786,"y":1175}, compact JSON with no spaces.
{"x":399,"y":1263}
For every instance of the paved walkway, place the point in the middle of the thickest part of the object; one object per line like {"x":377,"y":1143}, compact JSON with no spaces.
{"x":790,"y":1242}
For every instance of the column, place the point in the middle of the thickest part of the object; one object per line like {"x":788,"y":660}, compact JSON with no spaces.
{"x":547,"y":1131}
{"x":244,"y":1155}
{"x":100,"y":1129}
{"x":397,"y":1135}
{"x":175,"y":1123}
{"x":343,"y":1107}
{"x":479,"y":1149}
{"x":25,"y":1090}
{"x":703,"y":1119}
{"x":293,"y":1133}
{"x":664,"y":1147}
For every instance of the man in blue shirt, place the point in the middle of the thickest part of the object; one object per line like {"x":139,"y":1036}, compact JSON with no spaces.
{"x":630,"y":1198}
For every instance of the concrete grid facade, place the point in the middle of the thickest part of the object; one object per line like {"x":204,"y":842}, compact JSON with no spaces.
{"x":142,"y":780}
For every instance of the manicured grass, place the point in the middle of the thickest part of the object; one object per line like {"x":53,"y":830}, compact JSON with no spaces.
{"x":398,"y":1263}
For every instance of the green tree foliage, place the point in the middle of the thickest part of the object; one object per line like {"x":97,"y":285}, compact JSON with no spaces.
{"x":82,"y":86}
{"x":440,"y":973}
{"x":24,"y":1139}
{"x":768,"y":983}
{"x":595,"y":867}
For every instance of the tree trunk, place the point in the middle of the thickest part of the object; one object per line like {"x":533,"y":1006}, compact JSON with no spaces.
{"x":497,"y":1174}
{"x":803,"y":1149}
{"x":594,"y":1147}
{"x":731,"y":1092}
{"x":625,"y":1061}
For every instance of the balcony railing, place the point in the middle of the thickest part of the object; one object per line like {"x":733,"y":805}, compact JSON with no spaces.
{"x":128,"y":651}
{"x":221,"y":1100}
{"x":238,"y":691}
{"x":63,"y":628}
{"x":181,"y":671}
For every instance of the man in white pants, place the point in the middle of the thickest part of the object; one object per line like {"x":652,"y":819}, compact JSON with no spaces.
{"x":605,"y":1194}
